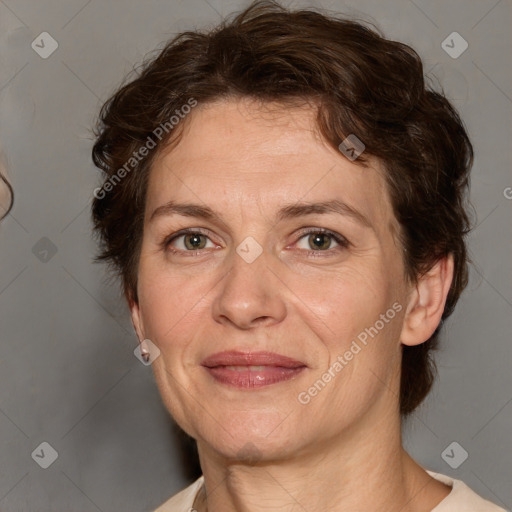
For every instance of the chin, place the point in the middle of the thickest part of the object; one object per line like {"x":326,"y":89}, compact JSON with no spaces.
{"x":249,"y":441}
{"x":251,"y":449}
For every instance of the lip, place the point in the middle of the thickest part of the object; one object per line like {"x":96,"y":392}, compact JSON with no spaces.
{"x":239,"y":358}
{"x":250,"y":370}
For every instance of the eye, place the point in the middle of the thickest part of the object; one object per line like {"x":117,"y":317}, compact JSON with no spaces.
{"x":192,"y":241}
{"x":188,"y":240}
{"x":320,"y":240}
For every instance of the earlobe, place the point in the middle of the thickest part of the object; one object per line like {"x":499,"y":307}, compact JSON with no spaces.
{"x":426,"y":303}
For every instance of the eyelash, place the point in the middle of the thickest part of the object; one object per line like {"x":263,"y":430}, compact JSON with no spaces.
{"x":342,"y":242}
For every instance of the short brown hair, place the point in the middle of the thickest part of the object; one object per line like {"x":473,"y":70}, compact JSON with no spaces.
{"x":362,"y":83}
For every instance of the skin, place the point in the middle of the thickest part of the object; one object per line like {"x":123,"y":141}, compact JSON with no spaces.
{"x":263,"y":449}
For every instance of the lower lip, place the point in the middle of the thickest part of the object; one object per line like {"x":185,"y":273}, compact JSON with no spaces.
{"x":249,"y":378}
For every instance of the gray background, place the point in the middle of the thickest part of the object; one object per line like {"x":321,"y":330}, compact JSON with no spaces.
{"x":68,"y":375}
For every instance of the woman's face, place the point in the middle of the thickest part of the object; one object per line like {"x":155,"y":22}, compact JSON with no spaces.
{"x":258,"y":275}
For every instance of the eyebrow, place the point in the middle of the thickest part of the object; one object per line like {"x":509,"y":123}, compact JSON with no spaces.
{"x":289,"y":211}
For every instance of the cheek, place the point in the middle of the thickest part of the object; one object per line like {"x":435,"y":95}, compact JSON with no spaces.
{"x":346,"y":301}
{"x":172,"y":313}
{"x":168,"y":301}
{"x":360,"y":315}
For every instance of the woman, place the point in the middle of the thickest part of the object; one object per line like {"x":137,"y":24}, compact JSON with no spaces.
{"x":284,"y":201}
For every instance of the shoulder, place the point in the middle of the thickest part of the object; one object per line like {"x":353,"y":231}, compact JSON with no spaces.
{"x":462,"y":498}
{"x":182,"y":501}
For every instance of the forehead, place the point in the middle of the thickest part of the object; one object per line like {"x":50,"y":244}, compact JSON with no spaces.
{"x":232,"y":152}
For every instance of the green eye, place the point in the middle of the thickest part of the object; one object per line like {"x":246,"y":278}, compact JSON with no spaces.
{"x":194,"y":240}
{"x":320,"y":240}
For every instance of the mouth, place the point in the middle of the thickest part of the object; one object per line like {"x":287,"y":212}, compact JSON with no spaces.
{"x":251,"y":370}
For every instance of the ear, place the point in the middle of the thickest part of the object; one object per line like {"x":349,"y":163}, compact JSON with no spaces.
{"x":426,"y":303}
{"x":137,"y":322}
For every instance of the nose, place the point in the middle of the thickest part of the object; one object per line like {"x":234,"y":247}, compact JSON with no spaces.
{"x":250,"y":294}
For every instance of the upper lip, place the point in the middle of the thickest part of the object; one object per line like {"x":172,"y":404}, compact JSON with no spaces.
{"x":238,"y":358}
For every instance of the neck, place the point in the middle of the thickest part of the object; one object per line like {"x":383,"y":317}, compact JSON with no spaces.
{"x":364,"y":469}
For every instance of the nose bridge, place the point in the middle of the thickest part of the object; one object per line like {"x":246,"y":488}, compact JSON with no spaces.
{"x":249,"y":292}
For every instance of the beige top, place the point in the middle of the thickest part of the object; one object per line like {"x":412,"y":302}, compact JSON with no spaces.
{"x":461,"y":498}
